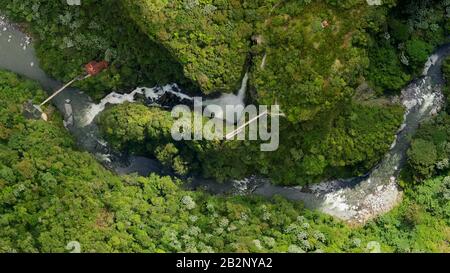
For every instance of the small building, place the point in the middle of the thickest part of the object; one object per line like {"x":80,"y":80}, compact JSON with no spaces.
{"x":93,"y":68}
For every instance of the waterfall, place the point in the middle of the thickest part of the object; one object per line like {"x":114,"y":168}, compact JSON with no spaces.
{"x":155,"y":93}
{"x":356,"y":200}
{"x":228,"y":107}
{"x":152,"y":94}
{"x":243,"y":89}
{"x":112,"y":98}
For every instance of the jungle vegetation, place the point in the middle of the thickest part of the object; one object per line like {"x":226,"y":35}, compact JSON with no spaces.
{"x":429,"y":153}
{"x":359,"y":138}
{"x":327,"y":72}
{"x":331,"y":65}
{"x":52,"y":195}
{"x":67,"y":37}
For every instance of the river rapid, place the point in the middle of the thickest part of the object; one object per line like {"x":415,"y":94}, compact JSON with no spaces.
{"x":354,"y":200}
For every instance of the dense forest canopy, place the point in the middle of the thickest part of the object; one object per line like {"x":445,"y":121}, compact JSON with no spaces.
{"x":52,"y":195}
{"x":325,"y":62}
{"x":310,"y":60}
{"x":300,"y":55}
{"x":333,"y":66}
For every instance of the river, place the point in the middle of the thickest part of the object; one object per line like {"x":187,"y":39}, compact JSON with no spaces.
{"x":355,"y":200}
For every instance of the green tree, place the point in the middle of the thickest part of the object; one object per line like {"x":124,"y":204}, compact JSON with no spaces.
{"x":422,"y":156}
{"x":418,"y":52}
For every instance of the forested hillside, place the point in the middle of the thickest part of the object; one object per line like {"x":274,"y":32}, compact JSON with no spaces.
{"x":53,"y":196}
{"x":310,"y":60}
{"x":329,"y":64}
{"x":429,"y":153}
{"x":303,"y":55}
{"x":67,"y":37}
{"x":359,"y":139}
